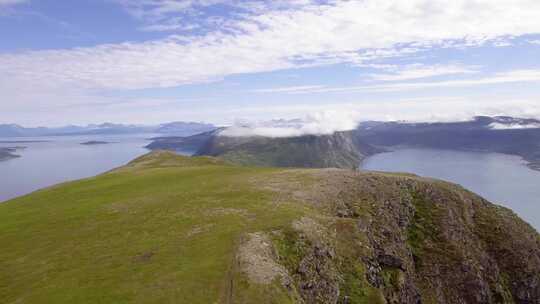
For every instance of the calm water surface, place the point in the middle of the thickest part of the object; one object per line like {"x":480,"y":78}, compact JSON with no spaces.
{"x":63,"y":158}
{"x":500,"y":178}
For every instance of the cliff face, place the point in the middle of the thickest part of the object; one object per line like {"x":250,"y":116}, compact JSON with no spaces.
{"x":404,"y":239}
{"x":339,"y":150}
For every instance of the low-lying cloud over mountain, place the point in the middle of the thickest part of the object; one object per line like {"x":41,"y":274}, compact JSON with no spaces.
{"x":513,"y":126}
{"x":327,"y":121}
{"x":322,"y":123}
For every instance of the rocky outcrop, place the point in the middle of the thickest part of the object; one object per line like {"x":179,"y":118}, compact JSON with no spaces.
{"x":405,"y":239}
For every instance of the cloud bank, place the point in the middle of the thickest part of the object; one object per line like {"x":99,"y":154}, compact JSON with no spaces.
{"x":321,"y":123}
{"x":340,"y":32}
{"x":515,"y":76}
{"x":266,"y":36}
{"x":501,"y":126}
{"x":324,"y":119}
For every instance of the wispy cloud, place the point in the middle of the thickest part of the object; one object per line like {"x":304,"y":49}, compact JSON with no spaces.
{"x":425,"y":109}
{"x":501,"y":126}
{"x":270,"y":38}
{"x":417,"y":71}
{"x":11,"y":2}
{"x":313,"y":34}
{"x":325,"y":119}
{"x":516,"y":76}
{"x":293,"y":89}
{"x":318,"y":123}
{"x":202,"y":15}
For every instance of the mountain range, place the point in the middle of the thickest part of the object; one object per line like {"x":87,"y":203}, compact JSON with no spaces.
{"x":484,"y":134}
{"x":173,"y":128}
{"x":346,"y":149}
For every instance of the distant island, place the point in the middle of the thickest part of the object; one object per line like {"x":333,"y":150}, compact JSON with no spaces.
{"x":7,"y":153}
{"x":96,"y":142}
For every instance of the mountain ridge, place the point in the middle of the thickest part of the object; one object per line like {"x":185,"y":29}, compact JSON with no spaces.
{"x":168,"y":228}
{"x":499,"y":134}
{"x":510,"y":136}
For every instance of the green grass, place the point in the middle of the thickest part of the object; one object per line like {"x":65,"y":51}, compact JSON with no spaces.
{"x":162,"y":230}
{"x":166,"y":229}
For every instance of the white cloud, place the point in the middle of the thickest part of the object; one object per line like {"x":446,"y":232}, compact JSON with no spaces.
{"x":537,"y":42}
{"x":517,"y":76}
{"x":426,"y":109}
{"x":347,"y":31}
{"x":159,"y":8}
{"x":293,"y":89}
{"x":325,"y":119}
{"x":501,"y":126}
{"x":267,"y":39}
{"x":11,"y":2}
{"x":319,"y":123}
{"x":187,"y":15}
{"x":423,"y":71}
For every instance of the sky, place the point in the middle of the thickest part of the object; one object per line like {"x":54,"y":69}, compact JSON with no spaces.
{"x":225,"y":61}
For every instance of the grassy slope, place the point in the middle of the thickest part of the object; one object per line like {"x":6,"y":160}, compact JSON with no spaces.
{"x":139,"y":234}
{"x":167,"y":228}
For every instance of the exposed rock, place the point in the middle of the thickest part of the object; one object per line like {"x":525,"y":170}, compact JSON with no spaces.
{"x":257,"y":260}
{"x":407,"y":240}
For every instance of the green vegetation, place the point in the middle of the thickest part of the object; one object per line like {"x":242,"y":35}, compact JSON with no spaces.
{"x":162,"y":230}
{"x":291,"y":248}
{"x":423,"y":229}
{"x":174,"y":229}
{"x":339,"y":150}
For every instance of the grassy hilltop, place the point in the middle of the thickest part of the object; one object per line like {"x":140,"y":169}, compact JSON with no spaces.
{"x":173,"y":229}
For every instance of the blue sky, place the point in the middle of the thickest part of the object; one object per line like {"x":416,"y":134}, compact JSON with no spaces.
{"x":151,"y":61}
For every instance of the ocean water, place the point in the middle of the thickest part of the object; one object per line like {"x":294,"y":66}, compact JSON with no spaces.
{"x":500,"y":178}
{"x":58,"y":159}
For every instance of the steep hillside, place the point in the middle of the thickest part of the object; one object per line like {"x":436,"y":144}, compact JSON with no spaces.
{"x":172,"y":229}
{"x":340,"y":150}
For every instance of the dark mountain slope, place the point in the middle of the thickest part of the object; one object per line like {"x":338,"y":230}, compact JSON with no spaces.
{"x":476,"y":135}
{"x":339,"y":150}
{"x":173,"y":229}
